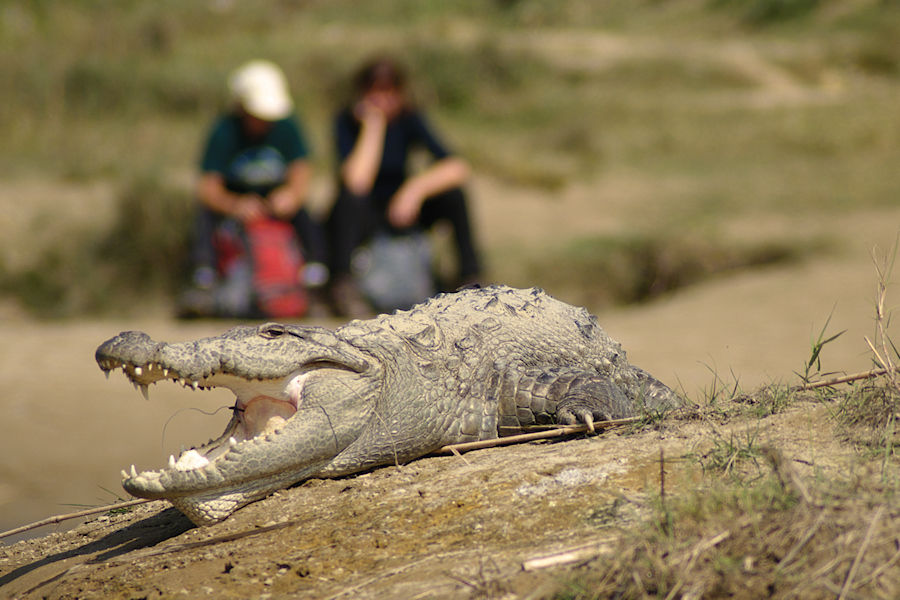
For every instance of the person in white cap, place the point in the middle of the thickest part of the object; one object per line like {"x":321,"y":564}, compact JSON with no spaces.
{"x":256,"y":164}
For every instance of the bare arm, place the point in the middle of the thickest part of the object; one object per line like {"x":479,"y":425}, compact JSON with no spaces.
{"x":360,"y":168}
{"x":443,"y":175}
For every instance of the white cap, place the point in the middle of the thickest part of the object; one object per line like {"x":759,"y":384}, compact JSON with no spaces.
{"x":261,"y":88}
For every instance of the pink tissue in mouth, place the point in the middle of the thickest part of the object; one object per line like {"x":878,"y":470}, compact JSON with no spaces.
{"x":264,"y":414}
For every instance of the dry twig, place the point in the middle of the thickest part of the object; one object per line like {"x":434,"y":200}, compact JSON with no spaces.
{"x":75,"y":515}
{"x":569,"y":556}
{"x":844,"y":379}
{"x":848,"y":583}
{"x":534,"y":435}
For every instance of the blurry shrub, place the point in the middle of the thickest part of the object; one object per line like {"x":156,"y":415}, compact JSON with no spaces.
{"x":762,"y":12}
{"x":184,"y":91}
{"x":141,"y":259}
{"x":449,"y":73}
{"x":618,"y":270}
{"x":94,"y":87}
{"x":149,"y":242}
{"x":457,"y":76}
{"x":878,"y":59}
{"x":766,"y":12}
{"x":60,"y":283}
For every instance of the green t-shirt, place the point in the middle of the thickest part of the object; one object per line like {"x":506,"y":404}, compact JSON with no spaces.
{"x":253,"y":165}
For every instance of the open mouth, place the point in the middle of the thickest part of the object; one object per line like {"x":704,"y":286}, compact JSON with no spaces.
{"x":261,"y":408}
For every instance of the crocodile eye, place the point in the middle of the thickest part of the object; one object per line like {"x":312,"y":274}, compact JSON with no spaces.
{"x":272,"y":330}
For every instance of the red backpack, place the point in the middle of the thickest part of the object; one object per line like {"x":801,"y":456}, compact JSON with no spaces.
{"x":277,"y":264}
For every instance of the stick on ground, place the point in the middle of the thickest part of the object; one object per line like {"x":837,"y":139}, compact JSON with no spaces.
{"x":845,"y":379}
{"x":75,"y":515}
{"x":534,"y":435}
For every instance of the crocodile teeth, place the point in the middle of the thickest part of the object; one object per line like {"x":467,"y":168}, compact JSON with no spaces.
{"x":145,"y":390}
{"x":232,"y":442}
{"x":106,"y":372}
{"x":124,"y":474}
{"x":189,"y":461}
{"x":138,"y":371}
{"x":134,"y":472}
{"x":165,"y":372}
{"x":171,"y":461}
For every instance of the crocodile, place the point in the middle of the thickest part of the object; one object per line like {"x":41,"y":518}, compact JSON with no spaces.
{"x":313,"y":402}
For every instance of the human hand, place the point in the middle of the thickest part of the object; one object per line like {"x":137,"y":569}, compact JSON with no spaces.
{"x":249,"y":207}
{"x":370,"y":113}
{"x":403,"y":210}
{"x":283,"y":203}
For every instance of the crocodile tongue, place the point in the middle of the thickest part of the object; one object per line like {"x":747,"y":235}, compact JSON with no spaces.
{"x":263,"y":415}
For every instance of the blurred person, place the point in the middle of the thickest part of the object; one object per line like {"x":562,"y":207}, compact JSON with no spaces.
{"x":255,"y":165}
{"x":374,"y":137}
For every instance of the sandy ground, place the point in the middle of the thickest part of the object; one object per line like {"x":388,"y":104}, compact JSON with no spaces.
{"x":495,"y":523}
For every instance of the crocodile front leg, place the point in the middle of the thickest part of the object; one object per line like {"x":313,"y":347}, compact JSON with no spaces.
{"x":560,"y":395}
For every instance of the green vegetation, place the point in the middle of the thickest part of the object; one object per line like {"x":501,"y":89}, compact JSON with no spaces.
{"x":781,"y":106}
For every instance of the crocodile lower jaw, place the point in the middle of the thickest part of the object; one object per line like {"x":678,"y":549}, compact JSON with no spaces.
{"x":216,"y":505}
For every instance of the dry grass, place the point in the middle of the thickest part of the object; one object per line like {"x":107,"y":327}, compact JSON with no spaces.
{"x":766,"y":542}
{"x":751,"y":526}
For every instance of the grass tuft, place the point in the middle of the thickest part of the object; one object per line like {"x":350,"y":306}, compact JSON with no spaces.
{"x":869,"y":413}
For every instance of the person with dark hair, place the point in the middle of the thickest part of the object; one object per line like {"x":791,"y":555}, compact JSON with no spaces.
{"x":255,"y":165}
{"x":374,"y":137}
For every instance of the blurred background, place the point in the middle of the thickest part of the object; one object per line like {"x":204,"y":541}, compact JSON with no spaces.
{"x":668,"y":118}
{"x":709,"y":176}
